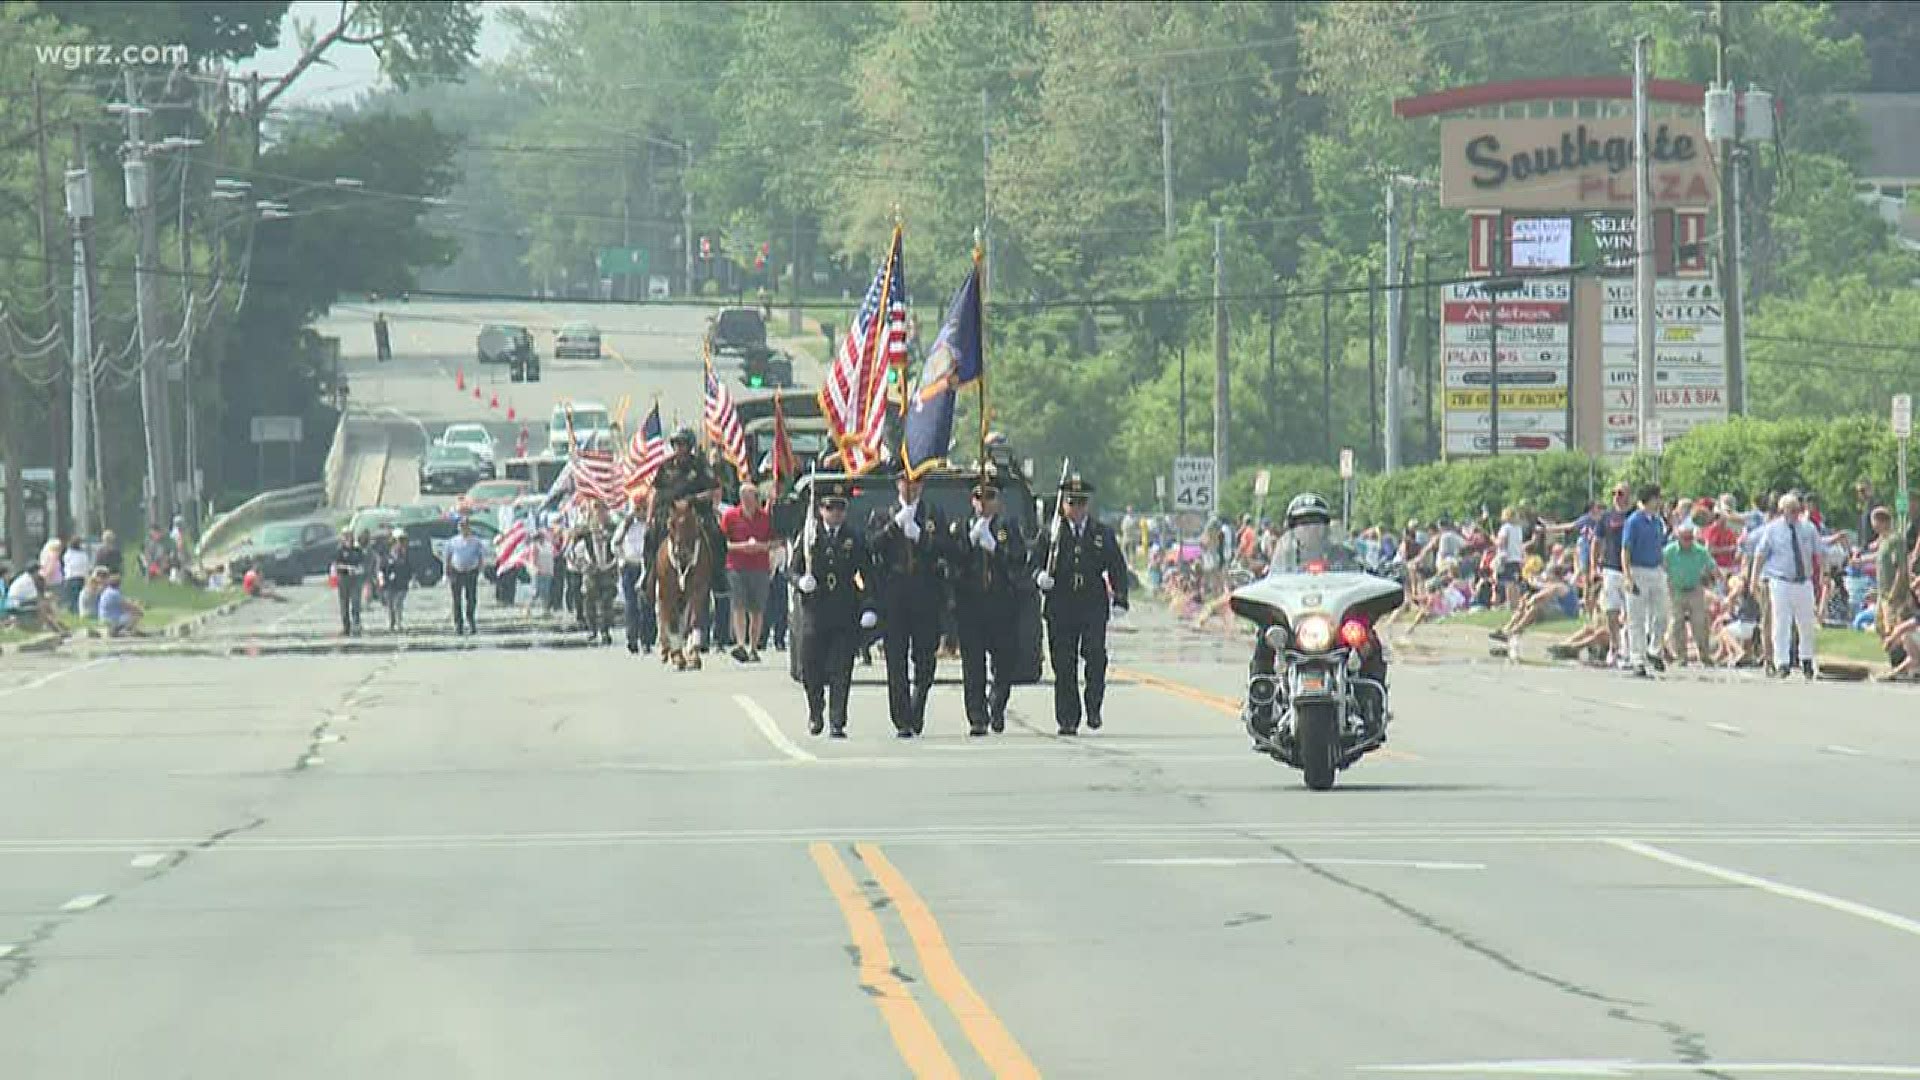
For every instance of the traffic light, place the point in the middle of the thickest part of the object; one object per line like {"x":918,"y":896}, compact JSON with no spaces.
{"x":755,"y":380}
{"x":706,"y":248}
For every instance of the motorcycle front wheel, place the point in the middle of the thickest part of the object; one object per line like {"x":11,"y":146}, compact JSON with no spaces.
{"x":1316,"y":735}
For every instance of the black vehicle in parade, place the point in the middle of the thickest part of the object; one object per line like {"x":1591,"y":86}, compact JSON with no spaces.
{"x":450,"y":469}
{"x":948,"y":489}
{"x":500,"y":343}
{"x":285,"y":552}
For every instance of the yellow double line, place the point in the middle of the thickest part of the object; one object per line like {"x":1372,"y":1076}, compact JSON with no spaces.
{"x":1217,"y":702}
{"x":913,"y":1034}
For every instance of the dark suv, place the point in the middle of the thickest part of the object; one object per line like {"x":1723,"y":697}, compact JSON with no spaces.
{"x":950,"y":490}
{"x":510,"y":345}
{"x":738,"y":332}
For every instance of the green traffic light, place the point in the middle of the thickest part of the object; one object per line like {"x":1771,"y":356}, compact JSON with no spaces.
{"x":753,"y":380}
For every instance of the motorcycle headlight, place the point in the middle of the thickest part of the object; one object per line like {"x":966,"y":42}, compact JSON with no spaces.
{"x":1315,"y":633}
{"x":1276,"y":637}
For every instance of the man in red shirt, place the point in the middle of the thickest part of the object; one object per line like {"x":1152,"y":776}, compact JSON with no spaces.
{"x":1723,"y":541}
{"x":749,"y":532}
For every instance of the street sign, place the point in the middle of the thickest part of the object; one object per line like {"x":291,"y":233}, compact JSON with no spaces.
{"x":1193,"y":484}
{"x":1903,"y":416}
{"x":616,"y":261}
{"x":1346,"y":463}
{"x":266,"y":429}
{"x":1160,"y":489}
{"x":1261,"y":481}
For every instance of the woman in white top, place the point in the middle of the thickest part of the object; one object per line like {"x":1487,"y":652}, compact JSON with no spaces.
{"x":75,"y":564}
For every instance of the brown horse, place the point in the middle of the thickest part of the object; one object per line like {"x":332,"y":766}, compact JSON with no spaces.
{"x":682,"y":568}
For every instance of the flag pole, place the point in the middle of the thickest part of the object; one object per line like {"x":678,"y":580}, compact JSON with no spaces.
{"x":980,"y":298}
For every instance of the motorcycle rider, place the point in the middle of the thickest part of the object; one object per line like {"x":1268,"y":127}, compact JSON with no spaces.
{"x":1309,"y":545}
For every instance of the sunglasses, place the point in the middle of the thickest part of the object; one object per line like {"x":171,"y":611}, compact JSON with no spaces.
{"x":833,"y":504}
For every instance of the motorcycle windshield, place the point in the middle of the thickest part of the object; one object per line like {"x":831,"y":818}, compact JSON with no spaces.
{"x":1314,"y":548}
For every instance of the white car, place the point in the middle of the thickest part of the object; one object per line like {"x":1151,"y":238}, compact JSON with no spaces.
{"x":592,"y":426}
{"x":472,"y":437}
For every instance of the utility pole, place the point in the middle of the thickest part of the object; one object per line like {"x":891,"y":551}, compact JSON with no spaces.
{"x":58,"y":520}
{"x":1644,"y":263}
{"x":1166,"y":158}
{"x":1183,"y":401}
{"x":793,"y":314}
{"x":986,"y":183}
{"x":1373,"y":359}
{"x":80,"y":400}
{"x":686,"y":213}
{"x":139,"y":183}
{"x":1326,"y":366}
{"x":1390,"y":459}
{"x":1493,"y":366}
{"x":1221,"y":416}
{"x":1727,"y":153}
{"x":1426,"y":339}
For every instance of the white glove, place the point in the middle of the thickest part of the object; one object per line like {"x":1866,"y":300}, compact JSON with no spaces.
{"x":982,"y":535}
{"x":868,"y":620}
{"x":807,"y":583}
{"x":911,"y":528}
{"x":1044,"y":580}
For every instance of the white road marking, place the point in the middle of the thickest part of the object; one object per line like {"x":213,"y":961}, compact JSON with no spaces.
{"x":1836,"y":748}
{"x":1412,"y":864}
{"x":1580,"y":1067}
{"x":49,"y":677}
{"x":764,"y":721}
{"x":147,"y":861}
{"x":84,"y":902}
{"x":1777,"y":888}
{"x":1728,"y":728}
{"x":7,"y":950}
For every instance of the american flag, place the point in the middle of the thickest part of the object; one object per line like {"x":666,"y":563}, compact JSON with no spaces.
{"x":596,"y":477}
{"x":645,"y":453}
{"x":513,"y":548}
{"x":854,"y":399}
{"x":723,"y":425}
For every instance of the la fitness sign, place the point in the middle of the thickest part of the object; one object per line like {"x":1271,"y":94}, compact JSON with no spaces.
{"x":1550,"y":164}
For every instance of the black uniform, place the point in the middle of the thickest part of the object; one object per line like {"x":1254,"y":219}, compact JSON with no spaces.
{"x":839,"y":563}
{"x":984,"y":606}
{"x":1089,"y":561}
{"x":912,"y":599}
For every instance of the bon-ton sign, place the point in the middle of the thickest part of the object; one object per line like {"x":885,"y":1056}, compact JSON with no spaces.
{"x":1689,"y":359}
{"x":1535,"y":372}
{"x":1548,"y":164}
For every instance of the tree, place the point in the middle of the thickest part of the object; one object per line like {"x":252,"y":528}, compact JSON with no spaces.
{"x":413,"y":38}
{"x":210,"y":29}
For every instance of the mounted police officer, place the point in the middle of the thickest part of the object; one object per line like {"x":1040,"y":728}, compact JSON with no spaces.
{"x":909,"y":546}
{"x":829,"y":567}
{"x":1076,"y":569}
{"x":684,"y":475}
{"x":986,"y":554}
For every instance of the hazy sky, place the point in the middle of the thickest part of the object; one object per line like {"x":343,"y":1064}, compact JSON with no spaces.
{"x":354,"y":70}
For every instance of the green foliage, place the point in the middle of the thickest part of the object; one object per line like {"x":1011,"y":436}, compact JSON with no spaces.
{"x":1556,"y":485}
{"x":1801,"y":365}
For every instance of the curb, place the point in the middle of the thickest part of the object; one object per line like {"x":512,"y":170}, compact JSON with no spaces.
{"x":46,"y":642}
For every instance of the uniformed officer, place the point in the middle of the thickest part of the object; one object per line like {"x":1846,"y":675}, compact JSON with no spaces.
{"x":599,"y":567}
{"x":829,"y":567}
{"x":986,"y":554}
{"x":909,"y":546}
{"x":1076,"y":568}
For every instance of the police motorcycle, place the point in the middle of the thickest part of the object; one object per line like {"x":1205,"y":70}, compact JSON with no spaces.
{"x":1317,"y":685}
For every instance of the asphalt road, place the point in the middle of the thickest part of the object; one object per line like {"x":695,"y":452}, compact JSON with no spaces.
{"x":543,"y":862}
{"x":648,"y":353}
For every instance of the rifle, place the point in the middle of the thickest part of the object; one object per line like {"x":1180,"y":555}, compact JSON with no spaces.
{"x":1059,"y":499}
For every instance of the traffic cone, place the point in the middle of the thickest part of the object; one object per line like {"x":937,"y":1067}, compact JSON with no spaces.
{"x":459,"y":378}
{"x":476,"y":391}
{"x":509,"y":409}
{"x":494,"y":403}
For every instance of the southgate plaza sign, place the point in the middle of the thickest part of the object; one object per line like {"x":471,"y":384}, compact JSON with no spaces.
{"x":1539,"y":164}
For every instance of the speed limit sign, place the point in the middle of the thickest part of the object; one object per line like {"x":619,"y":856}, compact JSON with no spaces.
{"x":1193,"y":484}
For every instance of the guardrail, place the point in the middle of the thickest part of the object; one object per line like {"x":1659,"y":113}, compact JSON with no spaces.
{"x":231,"y":527}
{"x":336,"y":460}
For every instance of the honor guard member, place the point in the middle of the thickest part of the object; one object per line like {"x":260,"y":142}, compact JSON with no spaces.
{"x":600,"y":574}
{"x":986,"y":553}
{"x":684,"y":475}
{"x":829,"y":567}
{"x":909,"y":546}
{"x":1075,"y":569}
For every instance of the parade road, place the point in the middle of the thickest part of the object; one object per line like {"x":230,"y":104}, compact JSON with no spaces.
{"x":262,"y":851}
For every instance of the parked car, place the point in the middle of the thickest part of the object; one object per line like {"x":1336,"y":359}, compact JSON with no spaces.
{"x":592,"y":426}
{"x":577,"y":339}
{"x":450,"y":469}
{"x":491,"y":493}
{"x":501,"y":343}
{"x":286,"y":551}
{"x":737,"y":332}
{"x":474,"y":437}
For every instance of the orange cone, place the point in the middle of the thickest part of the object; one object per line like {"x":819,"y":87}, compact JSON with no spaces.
{"x":494,"y":403}
{"x":509,"y":410}
{"x":476,"y":391}
{"x":459,"y":378}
